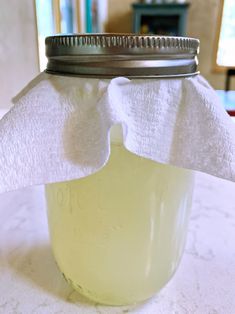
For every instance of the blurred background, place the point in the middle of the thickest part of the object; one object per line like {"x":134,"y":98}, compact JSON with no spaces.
{"x":24,"y":25}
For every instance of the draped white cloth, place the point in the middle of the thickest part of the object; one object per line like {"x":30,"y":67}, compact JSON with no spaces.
{"x":59,"y":127}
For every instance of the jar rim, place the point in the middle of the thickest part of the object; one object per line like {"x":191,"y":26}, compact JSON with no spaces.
{"x":131,"y":55}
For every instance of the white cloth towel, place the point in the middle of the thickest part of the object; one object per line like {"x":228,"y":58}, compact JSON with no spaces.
{"x":59,"y":127}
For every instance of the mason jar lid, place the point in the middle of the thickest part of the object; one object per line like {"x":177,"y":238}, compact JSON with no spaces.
{"x":129,"y":55}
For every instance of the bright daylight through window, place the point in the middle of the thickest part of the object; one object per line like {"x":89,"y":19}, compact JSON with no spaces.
{"x":226,"y":47}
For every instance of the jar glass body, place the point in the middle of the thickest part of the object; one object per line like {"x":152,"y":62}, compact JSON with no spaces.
{"x":118,"y":235}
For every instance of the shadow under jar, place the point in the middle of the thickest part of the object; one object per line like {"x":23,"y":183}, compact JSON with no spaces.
{"x":118,"y":235}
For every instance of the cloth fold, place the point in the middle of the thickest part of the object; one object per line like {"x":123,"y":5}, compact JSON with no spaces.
{"x":59,"y":127}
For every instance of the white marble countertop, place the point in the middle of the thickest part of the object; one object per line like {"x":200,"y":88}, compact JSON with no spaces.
{"x":30,"y":282}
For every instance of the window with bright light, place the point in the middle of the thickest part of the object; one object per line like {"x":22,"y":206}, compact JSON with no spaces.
{"x":45,"y":26}
{"x":226,"y":45}
{"x":53,"y":17}
{"x":68,"y":16}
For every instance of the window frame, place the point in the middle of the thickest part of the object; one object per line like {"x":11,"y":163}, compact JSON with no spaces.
{"x":57,"y":16}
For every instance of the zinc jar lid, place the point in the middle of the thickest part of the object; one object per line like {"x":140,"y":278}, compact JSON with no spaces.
{"x":130,"y":55}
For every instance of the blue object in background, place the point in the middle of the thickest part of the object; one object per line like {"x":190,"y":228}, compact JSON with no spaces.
{"x":89,"y":16}
{"x":228,"y":100}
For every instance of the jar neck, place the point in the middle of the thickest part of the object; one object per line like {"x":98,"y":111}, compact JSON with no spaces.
{"x":124,"y":66}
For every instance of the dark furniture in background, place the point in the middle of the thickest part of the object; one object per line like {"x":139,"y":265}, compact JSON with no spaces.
{"x":160,"y":19}
{"x":229,"y":73}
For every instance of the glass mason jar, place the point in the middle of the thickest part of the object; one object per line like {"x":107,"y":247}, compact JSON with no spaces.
{"x":118,"y":235}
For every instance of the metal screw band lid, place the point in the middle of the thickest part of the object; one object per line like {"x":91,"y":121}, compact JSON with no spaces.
{"x":110,"y":55}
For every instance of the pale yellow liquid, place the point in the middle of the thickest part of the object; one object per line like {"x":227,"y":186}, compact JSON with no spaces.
{"x":118,"y":235}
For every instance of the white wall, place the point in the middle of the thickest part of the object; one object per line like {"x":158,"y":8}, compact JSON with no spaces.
{"x":18,"y":47}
